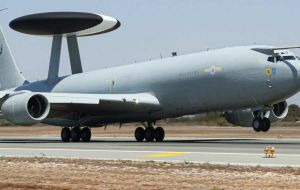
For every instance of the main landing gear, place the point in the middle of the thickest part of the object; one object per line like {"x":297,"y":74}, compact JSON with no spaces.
{"x":150,"y":133}
{"x":76,"y":134}
{"x":261,"y":124}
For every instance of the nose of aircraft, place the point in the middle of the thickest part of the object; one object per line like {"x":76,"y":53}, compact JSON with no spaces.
{"x":295,"y":68}
{"x":290,"y":74}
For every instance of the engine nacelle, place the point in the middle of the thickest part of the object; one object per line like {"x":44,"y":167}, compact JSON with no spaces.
{"x":26,"y":109}
{"x":245,"y":117}
{"x":242,"y":118}
{"x":279,"y":111}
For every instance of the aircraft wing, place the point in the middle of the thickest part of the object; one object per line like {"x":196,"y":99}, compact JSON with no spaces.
{"x":103,"y":103}
{"x":271,"y":50}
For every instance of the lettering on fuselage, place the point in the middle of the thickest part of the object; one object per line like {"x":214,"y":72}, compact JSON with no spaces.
{"x":211,"y":70}
{"x":189,"y":74}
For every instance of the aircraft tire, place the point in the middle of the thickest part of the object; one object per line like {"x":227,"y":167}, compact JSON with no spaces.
{"x":139,"y":134}
{"x":159,"y":134}
{"x":149,"y":134}
{"x":85,"y":134}
{"x":65,"y":134}
{"x":257,"y":124}
{"x":266,"y":125}
{"x":75,"y":134}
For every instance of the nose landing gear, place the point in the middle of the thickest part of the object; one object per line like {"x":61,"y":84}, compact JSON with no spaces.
{"x":150,"y":133}
{"x":261,"y":124}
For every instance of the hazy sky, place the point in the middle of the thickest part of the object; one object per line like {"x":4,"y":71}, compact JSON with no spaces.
{"x":153,"y":27}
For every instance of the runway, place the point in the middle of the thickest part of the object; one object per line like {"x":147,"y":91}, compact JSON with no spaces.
{"x":197,"y":150}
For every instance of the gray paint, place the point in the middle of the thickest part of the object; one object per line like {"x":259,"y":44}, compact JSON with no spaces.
{"x":183,"y":87}
{"x":10,"y":75}
{"x":55,"y":57}
{"x":224,"y":79}
{"x":75,"y":60}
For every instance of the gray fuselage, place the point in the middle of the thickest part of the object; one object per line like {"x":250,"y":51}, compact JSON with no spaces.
{"x":216,"y":80}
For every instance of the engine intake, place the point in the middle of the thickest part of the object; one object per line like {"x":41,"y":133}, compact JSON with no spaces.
{"x":279,"y":111}
{"x":26,"y":109}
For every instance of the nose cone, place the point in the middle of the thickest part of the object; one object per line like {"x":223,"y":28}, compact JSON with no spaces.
{"x":297,"y":72}
{"x":294,"y":70}
{"x":285,"y":78}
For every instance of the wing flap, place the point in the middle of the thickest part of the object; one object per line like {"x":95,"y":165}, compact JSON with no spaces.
{"x":104,"y":103}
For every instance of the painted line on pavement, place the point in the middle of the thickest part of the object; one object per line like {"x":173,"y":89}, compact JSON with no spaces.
{"x":149,"y":152}
{"x":165,"y":154}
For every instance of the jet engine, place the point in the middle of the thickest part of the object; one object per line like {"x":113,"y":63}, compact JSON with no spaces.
{"x":26,"y":108}
{"x":245,"y":117}
{"x":242,"y":118}
{"x":279,"y":111}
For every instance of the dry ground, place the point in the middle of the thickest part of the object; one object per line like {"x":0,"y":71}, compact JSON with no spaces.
{"x":171,"y":131}
{"x":63,"y":174}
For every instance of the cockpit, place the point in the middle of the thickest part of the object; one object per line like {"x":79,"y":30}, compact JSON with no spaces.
{"x":282,"y":56}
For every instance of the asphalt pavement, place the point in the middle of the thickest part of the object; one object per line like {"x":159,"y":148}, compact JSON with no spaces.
{"x":235,"y":151}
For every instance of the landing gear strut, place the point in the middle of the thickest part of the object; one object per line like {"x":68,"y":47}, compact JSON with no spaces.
{"x":76,"y":134}
{"x":261,"y":124}
{"x":150,"y":133}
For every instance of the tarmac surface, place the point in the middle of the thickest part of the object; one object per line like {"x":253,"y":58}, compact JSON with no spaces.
{"x":235,"y":151}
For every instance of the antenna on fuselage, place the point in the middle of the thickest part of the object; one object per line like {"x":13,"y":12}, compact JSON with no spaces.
{"x":4,"y":9}
{"x":64,"y":24}
{"x":55,"y":57}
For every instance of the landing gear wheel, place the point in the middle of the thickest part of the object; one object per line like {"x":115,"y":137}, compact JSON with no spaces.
{"x":159,"y":134}
{"x":149,"y":134}
{"x":267,"y":125}
{"x":75,"y":134}
{"x":85,"y":134}
{"x":139,"y":134}
{"x":257,"y":124}
{"x":65,"y":134}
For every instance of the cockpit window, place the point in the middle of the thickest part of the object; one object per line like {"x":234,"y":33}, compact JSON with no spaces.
{"x":271,"y":59}
{"x":278,"y":58}
{"x":289,"y":57}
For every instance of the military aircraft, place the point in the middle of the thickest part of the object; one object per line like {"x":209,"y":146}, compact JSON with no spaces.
{"x":248,"y":84}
